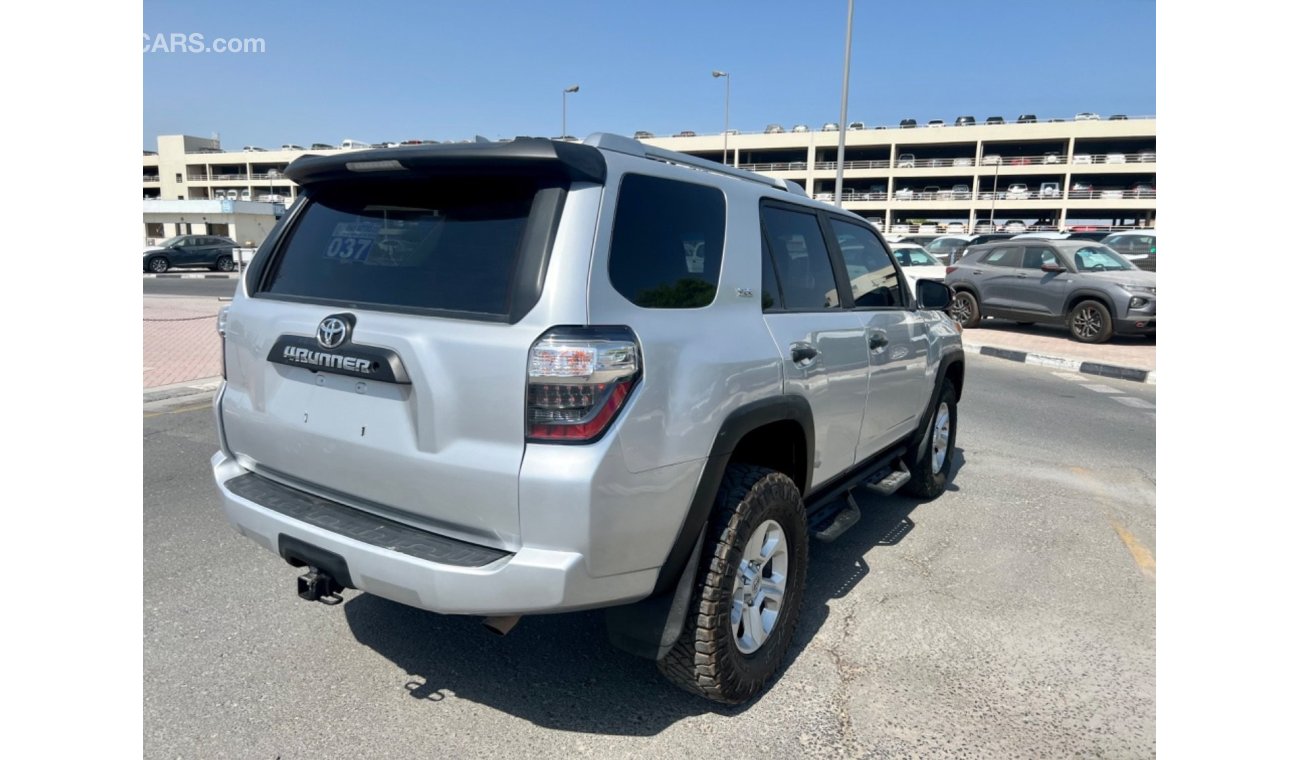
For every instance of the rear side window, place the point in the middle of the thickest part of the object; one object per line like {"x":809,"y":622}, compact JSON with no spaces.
{"x":1039,"y":257}
{"x":446,"y":246}
{"x":666,"y":250}
{"x":1002,"y":257}
{"x":803,"y":264}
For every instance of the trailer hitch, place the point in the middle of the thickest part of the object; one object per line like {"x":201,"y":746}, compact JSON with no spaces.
{"x":316,"y":586}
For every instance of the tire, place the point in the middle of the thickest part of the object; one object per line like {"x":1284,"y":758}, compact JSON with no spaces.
{"x":711,"y":659}
{"x":1090,"y":322}
{"x":224,"y":264}
{"x":930,"y":467}
{"x":158,"y":264}
{"x":965,"y":309}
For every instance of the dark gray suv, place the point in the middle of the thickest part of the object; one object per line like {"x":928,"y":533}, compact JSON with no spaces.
{"x":211,"y":251}
{"x":1092,"y":289}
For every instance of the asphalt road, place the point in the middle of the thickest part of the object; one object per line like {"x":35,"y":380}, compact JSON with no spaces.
{"x":1014,"y":616}
{"x":168,"y":286}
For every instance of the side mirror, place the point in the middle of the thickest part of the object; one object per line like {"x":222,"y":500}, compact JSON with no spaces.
{"x":1053,"y":268}
{"x":932,"y":294}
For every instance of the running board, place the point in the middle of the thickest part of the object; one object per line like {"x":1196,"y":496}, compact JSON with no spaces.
{"x":888,"y":481}
{"x":845,"y":518}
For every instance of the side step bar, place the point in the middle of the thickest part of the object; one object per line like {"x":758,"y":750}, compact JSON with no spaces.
{"x":833,"y":516}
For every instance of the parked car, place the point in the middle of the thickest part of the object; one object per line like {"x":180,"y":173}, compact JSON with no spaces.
{"x":1014,"y":226}
{"x":1051,"y":157}
{"x":643,"y":135}
{"x":934,"y":123}
{"x":961,"y":192}
{"x":944,"y":246}
{"x":774,"y":129}
{"x":955,"y":228}
{"x":1116,"y":158}
{"x":830,"y":126}
{"x":1138,"y":246}
{"x":990,"y":159}
{"x":1086,"y":116}
{"x":685,"y":133}
{"x":995,"y":120}
{"x":903,"y":194}
{"x":291,"y":146}
{"x":1049,"y":190}
{"x":1020,"y":161}
{"x":1142,"y":190}
{"x":1094,"y":235}
{"x":1118,"y":117}
{"x":322,"y":146}
{"x":1111,"y":194}
{"x":1081,"y":158}
{"x":584,"y":480}
{"x":856,"y":125}
{"x":1146,"y":157}
{"x":906,"y":161}
{"x":799,"y":128}
{"x":965,"y":121}
{"x":963,"y":161}
{"x":1017,"y":191}
{"x":1081,"y":186}
{"x":245,"y":195}
{"x":211,"y":251}
{"x":253,"y":148}
{"x":917,"y":264}
{"x":1026,"y":118}
{"x":1092,"y":290}
{"x":907,"y":123}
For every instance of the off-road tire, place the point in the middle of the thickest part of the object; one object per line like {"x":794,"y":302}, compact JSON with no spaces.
{"x":1087,"y":316}
{"x":971,"y":305}
{"x":706,"y":660}
{"x":925,"y":482}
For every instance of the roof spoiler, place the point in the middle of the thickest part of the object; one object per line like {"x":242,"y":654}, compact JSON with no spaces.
{"x":529,"y":155}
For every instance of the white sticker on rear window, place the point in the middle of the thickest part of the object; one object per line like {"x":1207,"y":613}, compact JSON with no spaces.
{"x":352,"y":241}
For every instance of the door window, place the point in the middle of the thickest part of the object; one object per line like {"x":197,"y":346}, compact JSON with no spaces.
{"x":872,"y":274}
{"x":801,"y":260}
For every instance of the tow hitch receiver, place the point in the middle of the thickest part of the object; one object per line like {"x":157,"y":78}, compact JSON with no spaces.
{"x":315,"y":586}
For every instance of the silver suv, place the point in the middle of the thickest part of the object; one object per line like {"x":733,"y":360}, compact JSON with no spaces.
{"x":499,"y":379}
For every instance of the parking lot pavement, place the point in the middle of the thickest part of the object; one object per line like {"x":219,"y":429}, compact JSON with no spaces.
{"x":1052,"y":342}
{"x":180,"y":340}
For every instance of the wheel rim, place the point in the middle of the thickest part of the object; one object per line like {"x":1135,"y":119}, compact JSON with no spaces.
{"x":158,"y":265}
{"x":939,"y":438}
{"x":757,"y":594}
{"x":1087,"y":322}
{"x":961,"y":308}
{"x":226,"y":265}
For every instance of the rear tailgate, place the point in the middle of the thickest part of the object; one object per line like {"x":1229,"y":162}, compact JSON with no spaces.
{"x":377,"y":358}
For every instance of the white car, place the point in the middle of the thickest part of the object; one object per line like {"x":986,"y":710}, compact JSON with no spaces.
{"x":1116,"y":158}
{"x":824,"y":196}
{"x":1087,"y":116}
{"x":1015,"y":225}
{"x":1017,"y":191}
{"x":990,"y":159}
{"x":1081,"y":158}
{"x":903,"y":194}
{"x":1112,"y":194}
{"x":963,"y":161}
{"x":1050,"y":190}
{"x":906,"y":161}
{"x":917,"y":264}
{"x":1051,"y":157}
{"x":955,"y":227}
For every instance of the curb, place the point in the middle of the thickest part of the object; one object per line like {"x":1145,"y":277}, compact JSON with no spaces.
{"x":193,"y":276}
{"x":197,"y":387}
{"x":1072,"y":365}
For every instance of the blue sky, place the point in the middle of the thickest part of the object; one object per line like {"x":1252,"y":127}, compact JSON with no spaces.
{"x":450,"y":70}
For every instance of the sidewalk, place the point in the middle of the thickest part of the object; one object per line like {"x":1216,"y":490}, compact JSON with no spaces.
{"x":1123,"y":357}
{"x":180,"y":339}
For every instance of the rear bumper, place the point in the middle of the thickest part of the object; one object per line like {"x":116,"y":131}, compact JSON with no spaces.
{"x":393,"y":563}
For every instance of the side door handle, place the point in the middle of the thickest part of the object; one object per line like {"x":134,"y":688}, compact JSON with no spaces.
{"x":803,"y":354}
{"x":1021,"y":275}
{"x":977,"y":271}
{"x":877,"y":341}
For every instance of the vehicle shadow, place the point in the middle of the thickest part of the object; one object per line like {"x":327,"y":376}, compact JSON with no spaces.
{"x":560,"y":672}
{"x":1054,"y":330}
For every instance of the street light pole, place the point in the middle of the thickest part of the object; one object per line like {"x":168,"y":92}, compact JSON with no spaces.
{"x":993,"y":206}
{"x":726,"y":113}
{"x":844,"y":111}
{"x":564,"y":111}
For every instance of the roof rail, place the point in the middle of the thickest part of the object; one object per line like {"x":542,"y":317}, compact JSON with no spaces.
{"x":621,"y":144}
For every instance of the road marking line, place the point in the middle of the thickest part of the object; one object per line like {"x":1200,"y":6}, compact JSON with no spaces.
{"x":1101,"y":388}
{"x":1141,"y":555}
{"x":1075,"y":376}
{"x":1136,"y":403}
{"x":182,"y":409}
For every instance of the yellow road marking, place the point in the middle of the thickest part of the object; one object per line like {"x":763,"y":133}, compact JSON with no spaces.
{"x":1141,"y":555}
{"x":182,"y":409}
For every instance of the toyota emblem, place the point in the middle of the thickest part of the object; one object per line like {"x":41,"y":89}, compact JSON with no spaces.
{"x":332,"y":333}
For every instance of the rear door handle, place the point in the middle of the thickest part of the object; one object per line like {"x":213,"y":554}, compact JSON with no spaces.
{"x":1021,"y":275}
{"x":877,"y":341}
{"x":978,"y":271}
{"x":803,"y":353}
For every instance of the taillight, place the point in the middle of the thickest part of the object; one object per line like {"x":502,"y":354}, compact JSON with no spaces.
{"x":949,"y":269}
{"x":578,"y":380}
{"x":222,"y":317}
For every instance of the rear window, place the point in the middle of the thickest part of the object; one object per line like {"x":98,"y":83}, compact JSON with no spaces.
{"x":666,"y":250}
{"x":444,"y":246}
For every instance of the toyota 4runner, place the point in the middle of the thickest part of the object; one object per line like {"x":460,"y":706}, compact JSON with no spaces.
{"x":498,"y":379}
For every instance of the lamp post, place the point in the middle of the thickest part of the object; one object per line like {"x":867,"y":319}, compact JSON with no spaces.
{"x":844,"y":112}
{"x":993,"y":206}
{"x":564,"y":111}
{"x":726,"y":113}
